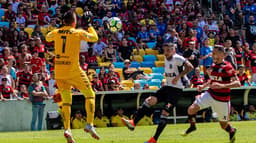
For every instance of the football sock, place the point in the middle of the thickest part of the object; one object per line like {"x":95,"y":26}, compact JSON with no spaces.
{"x":162,"y":124}
{"x":192,"y":119}
{"x":229,"y":129}
{"x":144,"y":108}
{"x":66,"y":111}
{"x":90,"y":109}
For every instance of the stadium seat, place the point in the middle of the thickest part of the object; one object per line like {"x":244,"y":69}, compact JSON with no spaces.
{"x":5,"y":24}
{"x":127,"y":83}
{"x":118,"y":64}
{"x":148,"y":64}
{"x":151,"y":52}
{"x":120,"y":71}
{"x":160,"y":57}
{"x":159,"y":63}
{"x":157,"y":76}
{"x":133,"y":39}
{"x":126,"y":88}
{"x":153,"y":87}
{"x":142,"y":82}
{"x":99,"y":60}
{"x":155,"y":82}
{"x":140,"y":52}
{"x":150,"y":58}
{"x":98,"y":71}
{"x":53,"y":10}
{"x":29,"y":30}
{"x":79,"y":11}
{"x":158,"y":70}
{"x":151,"y":44}
{"x":146,"y":70}
{"x":2,"y":12}
{"x":98,"y":20}
{"x":138,"y":58}
{"x":135,"y":64}
{"x":104,"y":64}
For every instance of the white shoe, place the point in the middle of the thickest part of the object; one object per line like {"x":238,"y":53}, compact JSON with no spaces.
{"x":90,"y":129}
{"x":68,"y":136}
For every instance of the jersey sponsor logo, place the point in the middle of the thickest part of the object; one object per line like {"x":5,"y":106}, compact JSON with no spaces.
{"x":170,"y":74}
{"x":65,"y":32}
{"x":215,"y":78}
{"x":62,"y":62}
{"x":170,"y":66}
{"x":59,"y":56}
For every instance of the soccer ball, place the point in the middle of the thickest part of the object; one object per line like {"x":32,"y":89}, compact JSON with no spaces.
{"x":114,"y":24}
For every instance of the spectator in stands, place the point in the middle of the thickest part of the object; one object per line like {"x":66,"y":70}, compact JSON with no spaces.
{"x":111,"y":82}
{"x":116,"y":120}
{"x":102,"y":75}
{"x":144,"y":34}
{"x":37,"y":94}
{"x":37,"y":32}
{"x":125,"y":51}
{"x":52,"y":85}
{"x":243,"y":78}
{"x":249,"y":32}
{"x":24,"y":76}
{"x":231,"y":36}
{"x":239,"y":53}
{"x":197,"y":79}
{"x":250,"y":114}
{"x":78,"y":122}
{"x":230,"y":53}
{"x":110,"y":53}
{"x":23,"y":92}
{"x":9,"y":14}
{"x":97,"y":84}
{"x":83,"y":63}
{"x":192,"y":55}
{"x":145,"y":121}
{"x":5,"y":74}
{"x":136,"y":86}
{"x":206,"y":54}
{"x":252,"y":58}
{"x":11,"y":69}
{"x":20,"y":19}
{"x":7,"y":91}
{"x":234,"y":116}
{"x":99,"y":48}
{"x":127,"y":71}
{"x":111,"y":67}
{"x":100,"y":120}
{"x":36,"y":63}
{"x":91,"y":58}
{"x":247,"y":53}
{"x":24,"y":57}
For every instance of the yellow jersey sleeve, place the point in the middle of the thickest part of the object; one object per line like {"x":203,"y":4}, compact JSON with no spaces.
{"x":90,"y":36}
{"x":50,"y":36}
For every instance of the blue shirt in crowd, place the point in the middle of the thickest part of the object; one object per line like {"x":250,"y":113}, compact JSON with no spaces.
{"x":205,"y":51}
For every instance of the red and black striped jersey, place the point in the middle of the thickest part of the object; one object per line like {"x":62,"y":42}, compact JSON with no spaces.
{"x":239,"y":56}
{"x":252,"y":58}
{"x":6,"y":91}
{"x":242,"y":78}
{"x":24,"y":78}
{"x":197,"y":80}
{"x":221,"y":73}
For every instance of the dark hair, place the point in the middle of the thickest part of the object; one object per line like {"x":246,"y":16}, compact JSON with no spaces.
{"x":69,"y":18}
{"x":219,"y":48}
{"x":169,"y":45}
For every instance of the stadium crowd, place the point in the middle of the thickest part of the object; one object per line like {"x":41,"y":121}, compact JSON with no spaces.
{"x":131,"y":59}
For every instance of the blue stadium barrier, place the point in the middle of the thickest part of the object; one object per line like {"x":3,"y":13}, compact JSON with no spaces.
{"x":151,"y":44}
{"x":118,"y":64}
{"x":99,"y":20}
{"x":157,"y":76}
{"x":150,"y":58}
{"x":142,"y":82}
{"x":158,"y":70}
{"x":98,"y":71}
{"x":147,"y":64}
{"x":132,"y":38}
{"x":4,"y":24}
{"x":1,"y":14}
{"x":135,"y":64}
{"x":155,"y":82}
{"x":53,"y":10}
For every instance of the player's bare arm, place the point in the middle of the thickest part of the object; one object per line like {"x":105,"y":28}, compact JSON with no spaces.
{"x":201,"y":87}
{"x":234,"y":83}
{"x":188,"y":68}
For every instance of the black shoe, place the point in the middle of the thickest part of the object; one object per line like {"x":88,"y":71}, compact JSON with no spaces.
{"x":232,"y":137}
{"x":189,"y":130}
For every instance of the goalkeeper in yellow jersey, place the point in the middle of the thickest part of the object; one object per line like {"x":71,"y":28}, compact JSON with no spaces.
{"x":68,"y":72}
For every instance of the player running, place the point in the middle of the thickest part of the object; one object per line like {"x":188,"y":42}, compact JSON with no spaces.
{"x":68,"y":72}
{"x":168,"y":94}
{"x":222,"y":78}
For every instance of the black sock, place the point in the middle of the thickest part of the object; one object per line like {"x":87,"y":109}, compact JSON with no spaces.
{"x":144,"y":108}
{"x":162,"y":124}
{"x":229,"y":129}
{"x":192,"y":119}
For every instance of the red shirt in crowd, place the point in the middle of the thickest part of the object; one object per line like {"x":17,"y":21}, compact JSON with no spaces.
{"x":9,"y":15}
{"x":197,"y":80}
{"x":36,"y":63}
{"x":24,"y":78}
{"x":97,"y":85}
{"x":253,"y":62}
{"x":242,"y":78}
{"x":6,"y":91}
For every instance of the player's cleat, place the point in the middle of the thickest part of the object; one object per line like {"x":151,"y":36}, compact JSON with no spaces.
{"x":189,"y":130}
{"x":68,"y":136}
{"x":90,"y":129}
{"x":151,"y":140}
{"x":232,"y":137}
{"x":128,"y":123}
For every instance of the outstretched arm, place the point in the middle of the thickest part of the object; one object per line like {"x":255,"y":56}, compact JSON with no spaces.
{"x":90,"y":36}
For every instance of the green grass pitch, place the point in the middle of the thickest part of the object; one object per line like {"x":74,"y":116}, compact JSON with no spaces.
{"x":206,"y":133}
